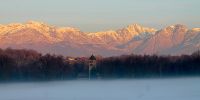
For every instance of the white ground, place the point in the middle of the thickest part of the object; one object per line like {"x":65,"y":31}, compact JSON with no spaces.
{"x":144,"y":89}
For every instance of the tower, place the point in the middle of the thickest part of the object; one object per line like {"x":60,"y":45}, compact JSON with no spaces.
{"x":92,"y":65}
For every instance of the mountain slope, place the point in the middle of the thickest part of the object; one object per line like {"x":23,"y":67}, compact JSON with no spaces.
{"x":162,"y":40}
{"x":190,"y":44}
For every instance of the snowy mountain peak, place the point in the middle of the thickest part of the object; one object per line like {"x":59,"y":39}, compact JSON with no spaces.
{"x":68,"y":29}
{"x":35,"y":23}
{"x":136,"y":28}
{"x":196,"y":29}
{"x":129,"y":32}
{"x":171,"y":30}
{"x":176,"y":27}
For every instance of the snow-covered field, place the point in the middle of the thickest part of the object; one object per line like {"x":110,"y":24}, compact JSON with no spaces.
{"x":142,"y":89}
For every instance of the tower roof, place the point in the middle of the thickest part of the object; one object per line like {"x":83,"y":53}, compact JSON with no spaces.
{"x":92,"y":57}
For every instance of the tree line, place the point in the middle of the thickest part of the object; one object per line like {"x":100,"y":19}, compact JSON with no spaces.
{"x":29,"y":65}
{"x":137,"y":66}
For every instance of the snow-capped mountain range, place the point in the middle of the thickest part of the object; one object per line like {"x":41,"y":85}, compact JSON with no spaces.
{"x":68,"y":41}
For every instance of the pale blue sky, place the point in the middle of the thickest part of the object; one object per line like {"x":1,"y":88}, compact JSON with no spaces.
{"x":100,"y":15}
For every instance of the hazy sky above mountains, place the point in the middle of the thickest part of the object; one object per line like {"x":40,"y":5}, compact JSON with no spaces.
{"x":100,"y":15}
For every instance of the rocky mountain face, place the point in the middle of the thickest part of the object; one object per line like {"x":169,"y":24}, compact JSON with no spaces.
{"x":173,"y":40}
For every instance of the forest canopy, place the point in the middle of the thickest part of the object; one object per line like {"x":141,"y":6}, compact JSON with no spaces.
{"x":29,"y":65}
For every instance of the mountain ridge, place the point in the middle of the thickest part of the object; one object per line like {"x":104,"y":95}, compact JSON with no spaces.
{"x":73,"y":42}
